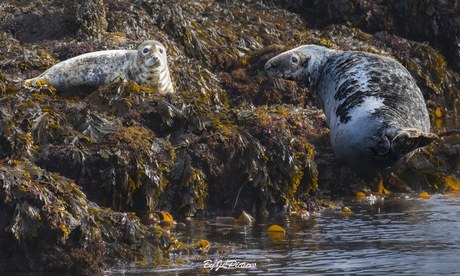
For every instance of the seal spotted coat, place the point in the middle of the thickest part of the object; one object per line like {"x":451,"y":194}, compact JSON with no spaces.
{"x":376,"y":113}
{"x":147,"y":66}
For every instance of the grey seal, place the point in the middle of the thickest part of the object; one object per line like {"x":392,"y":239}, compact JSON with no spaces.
{"x":147,"y":66}
{"x":376,"y":113}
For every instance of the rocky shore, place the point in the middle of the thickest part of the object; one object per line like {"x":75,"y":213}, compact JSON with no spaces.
{"x":80,"y":168}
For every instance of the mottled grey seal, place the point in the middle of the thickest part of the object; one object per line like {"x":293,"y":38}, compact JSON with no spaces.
{"x":147,"y":66}
{"x":375,"y":111}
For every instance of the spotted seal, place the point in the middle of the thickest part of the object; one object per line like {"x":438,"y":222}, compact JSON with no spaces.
{"x":376,"y":113}
{"x":147,"y":66}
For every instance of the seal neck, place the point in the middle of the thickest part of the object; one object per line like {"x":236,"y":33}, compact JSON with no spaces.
{"x":313,"y":72}
{"x":155,"y":77}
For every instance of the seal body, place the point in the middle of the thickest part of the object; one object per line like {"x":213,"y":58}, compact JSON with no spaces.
{"x":376,"y":113}
{"x":147,"y":66}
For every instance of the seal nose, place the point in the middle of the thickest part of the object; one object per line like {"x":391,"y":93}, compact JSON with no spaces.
{"x":267,"y":66}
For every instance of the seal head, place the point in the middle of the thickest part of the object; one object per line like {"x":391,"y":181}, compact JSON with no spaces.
{"x":300,"y":64}
{"x":150,"y":67}
{"x":375,"y":111}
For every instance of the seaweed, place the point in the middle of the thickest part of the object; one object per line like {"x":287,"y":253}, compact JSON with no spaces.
{"x":86,"y":19}
{"x":228,"y":140}
{"x":192,"y":182}
{"x":137,"y":162}
{"x":69,"y":50}
{"x":50,"y":212}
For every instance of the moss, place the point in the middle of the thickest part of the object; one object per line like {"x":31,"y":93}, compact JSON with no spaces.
{"x":132,"y":139}
{"x":391,"y":42}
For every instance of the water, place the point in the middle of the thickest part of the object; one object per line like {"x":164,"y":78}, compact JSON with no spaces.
{"x":384,"y":236}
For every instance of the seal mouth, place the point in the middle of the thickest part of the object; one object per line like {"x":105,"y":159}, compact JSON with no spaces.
{"x":153,"y":61}
{"x":277,"y":77}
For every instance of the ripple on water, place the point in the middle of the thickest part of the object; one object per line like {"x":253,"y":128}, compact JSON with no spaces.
{"x":387,"y":237}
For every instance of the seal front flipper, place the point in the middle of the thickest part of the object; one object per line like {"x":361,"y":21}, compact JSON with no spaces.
{"x":409,"y":139}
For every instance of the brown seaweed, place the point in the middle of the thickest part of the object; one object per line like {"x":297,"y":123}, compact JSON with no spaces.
{"x":228,"y":140}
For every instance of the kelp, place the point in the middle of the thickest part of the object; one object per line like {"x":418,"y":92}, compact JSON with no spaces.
{"x":193,"y":23}
{"x":120,"y":96}
{"x":15,"y":59}
{"x":216,"y":56}
{"x":247,"y":83}
{"x":275,"y":156}
{"x":244,"y":150}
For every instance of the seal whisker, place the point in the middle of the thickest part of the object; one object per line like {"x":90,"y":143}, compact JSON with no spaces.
{"x":279,"y":83}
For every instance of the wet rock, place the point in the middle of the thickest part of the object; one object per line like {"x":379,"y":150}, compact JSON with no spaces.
{"x":223,"y":220}
{"x":219,"y":250}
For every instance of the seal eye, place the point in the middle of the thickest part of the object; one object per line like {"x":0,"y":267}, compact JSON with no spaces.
{"x":294,"y":60}
{"x":161,"y":51}
{"x":145,"y":51}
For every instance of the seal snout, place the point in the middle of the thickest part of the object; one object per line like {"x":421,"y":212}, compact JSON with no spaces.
{"x":271,"y":69}
{"x":267,"y":67}
{"x":153,"y":61}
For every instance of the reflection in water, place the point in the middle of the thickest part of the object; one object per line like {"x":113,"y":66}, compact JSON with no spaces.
{"x":385,"y":236}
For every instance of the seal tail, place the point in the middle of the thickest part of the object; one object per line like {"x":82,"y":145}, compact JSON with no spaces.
{"x":409,"y":139}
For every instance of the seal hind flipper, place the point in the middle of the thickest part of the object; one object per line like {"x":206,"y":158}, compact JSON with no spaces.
{"x":409,"y":139}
